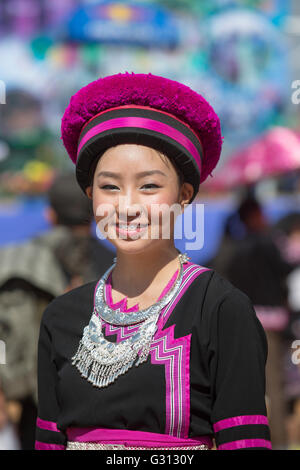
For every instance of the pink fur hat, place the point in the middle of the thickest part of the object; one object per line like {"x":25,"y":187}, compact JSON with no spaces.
{"x":144,"y":109}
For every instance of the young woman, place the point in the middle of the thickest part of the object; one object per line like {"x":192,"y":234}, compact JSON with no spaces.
{"x":160,"y":352}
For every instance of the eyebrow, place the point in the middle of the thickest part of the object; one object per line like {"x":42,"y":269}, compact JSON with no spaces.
{"x":139,"y":175}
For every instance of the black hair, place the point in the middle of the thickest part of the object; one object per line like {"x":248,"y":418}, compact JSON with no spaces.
{"x":247,"y":207}
{"x":66,"y":198}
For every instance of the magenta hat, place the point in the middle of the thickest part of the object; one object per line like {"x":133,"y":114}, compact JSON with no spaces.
{"x":144,"y":109}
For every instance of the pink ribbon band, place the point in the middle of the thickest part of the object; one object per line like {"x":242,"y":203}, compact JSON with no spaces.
{"x":144,"y":123}
{"x":138,"y":106}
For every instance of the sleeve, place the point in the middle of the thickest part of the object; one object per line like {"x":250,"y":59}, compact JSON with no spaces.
{"x":48,"y":436}
{"x":238,"y":353}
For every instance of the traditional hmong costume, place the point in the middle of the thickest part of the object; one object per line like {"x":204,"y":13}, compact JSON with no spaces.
{"x":204,"y":376}
{"x":179,"y":373}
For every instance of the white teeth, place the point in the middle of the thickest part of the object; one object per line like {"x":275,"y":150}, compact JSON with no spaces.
{"x":129,"y":227}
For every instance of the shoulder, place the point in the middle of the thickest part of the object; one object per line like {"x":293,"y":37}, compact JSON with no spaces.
{"x":229,"y":300}
{"x":226,"y":313}
{"x":70,"y":306}
{"x":232,"y":314}
{"x":220,"y":299}
{"x":213,"y":286}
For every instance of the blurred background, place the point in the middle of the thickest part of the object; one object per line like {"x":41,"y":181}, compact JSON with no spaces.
{"x":242,"y":55}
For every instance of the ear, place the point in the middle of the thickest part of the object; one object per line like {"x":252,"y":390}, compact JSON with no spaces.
{"x":186,"y":193}
{"x":89,"y":192}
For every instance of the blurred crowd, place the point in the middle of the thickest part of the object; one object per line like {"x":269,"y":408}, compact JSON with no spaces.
{"x":263,"y":261}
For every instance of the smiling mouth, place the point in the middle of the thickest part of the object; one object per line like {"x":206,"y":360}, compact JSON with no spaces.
{"x":131,"y":227}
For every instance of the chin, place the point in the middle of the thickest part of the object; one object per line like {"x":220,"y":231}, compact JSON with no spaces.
{"x":133,"y":246}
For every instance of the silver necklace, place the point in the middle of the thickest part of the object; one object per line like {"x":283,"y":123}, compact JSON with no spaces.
{"x":100,"y":361}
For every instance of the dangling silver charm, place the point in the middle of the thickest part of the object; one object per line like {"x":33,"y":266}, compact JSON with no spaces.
{"x":101,"y":361}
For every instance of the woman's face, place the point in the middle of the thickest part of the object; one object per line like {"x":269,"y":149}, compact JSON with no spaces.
{"x":133,"y":190}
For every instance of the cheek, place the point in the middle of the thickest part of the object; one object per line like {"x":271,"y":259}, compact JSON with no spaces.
{"x":168,"y":195}
{"x":163,"y":210}
{"x":102,"y":206}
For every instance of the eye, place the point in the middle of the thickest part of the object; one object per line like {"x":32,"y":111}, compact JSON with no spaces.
{"x":109,"y":186}
{"x":150,"y":186}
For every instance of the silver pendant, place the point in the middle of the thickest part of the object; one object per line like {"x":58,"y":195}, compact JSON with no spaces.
{"x":100,"y":361}
{"x":119,"y":317}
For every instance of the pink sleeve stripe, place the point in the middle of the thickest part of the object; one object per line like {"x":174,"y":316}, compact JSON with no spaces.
{"x":43,"y":446}
{"x":240,"y":421}
{"x":245,"y":444}
{"x":48,"y":425}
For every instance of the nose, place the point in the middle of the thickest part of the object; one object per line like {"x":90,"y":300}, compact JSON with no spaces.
{"x":129,"y":208}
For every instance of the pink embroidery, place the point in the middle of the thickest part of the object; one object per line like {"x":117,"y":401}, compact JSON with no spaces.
{"x":123,"y":302}
{"x":122,"y":332}
{"x":174,"y":353}
{"x":192,"y":271}
{"x":169,"y":285}
{"x":126,"y":331}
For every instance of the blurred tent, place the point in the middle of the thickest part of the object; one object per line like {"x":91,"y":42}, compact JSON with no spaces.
{"x":275,"y":10}
{"x":275,"y":153}
{"x":121,"y":23}
{"x":229,"y":50}
{"x":247,"y":74}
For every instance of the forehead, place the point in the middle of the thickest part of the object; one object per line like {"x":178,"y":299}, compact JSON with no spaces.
{"x":134,"y":157}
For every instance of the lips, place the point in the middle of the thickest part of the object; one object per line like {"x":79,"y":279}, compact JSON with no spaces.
{"x":130,"y":229}
{"x":132,"y":224}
